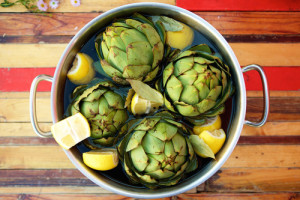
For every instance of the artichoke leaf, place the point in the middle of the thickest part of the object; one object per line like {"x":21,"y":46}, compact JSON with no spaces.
{"x":145,"y":91}
{"x":168,"y":23}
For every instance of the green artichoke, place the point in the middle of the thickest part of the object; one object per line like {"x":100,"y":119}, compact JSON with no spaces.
{"x":196,"y":83}
{"x":131,"y":48}
{"x":104,"y":110}
{"x":156,"y":152}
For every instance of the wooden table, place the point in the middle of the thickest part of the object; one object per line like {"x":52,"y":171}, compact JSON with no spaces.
{"x":264,"y":165}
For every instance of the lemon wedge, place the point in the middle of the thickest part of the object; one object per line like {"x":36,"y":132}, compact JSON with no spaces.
{"x":101,"y":159}
{"x":70,"y":131}
{"x":214,"y":139}
{"x":82,"y":71}
{"x":210,"y":125}
{"x":180,"y":39}
{"x":141,"y":106}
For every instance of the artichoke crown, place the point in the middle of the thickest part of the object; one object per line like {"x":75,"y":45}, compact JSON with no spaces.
{"x":156,"y":152}
{"x":103,"y":108}
{"x":196,"y":83}
{"x":131,"y":49}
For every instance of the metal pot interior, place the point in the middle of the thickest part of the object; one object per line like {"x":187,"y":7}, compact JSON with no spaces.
{"x":238,"y":101}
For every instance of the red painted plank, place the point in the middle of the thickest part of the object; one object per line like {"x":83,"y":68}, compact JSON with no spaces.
{"x":241,"y":5}
{"x":279,"y":78}
{"x":19,"y":79}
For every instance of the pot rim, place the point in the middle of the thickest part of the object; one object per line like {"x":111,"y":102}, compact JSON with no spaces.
{"x":241,"y":109}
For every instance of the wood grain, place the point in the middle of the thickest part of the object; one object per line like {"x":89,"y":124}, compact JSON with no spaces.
{"x":255,"y":180}
{"x":53,"y":157}
{"x":227,"y":23}
{"x":281,"y":109}
{"x":61,"y":189}
{"x":21,"y":130}
{"x":276,"y":129}
{"x":33,"y":157}
{"x":261,"y":156}
{"x":240,"y":196}
{"x":88,"y":6}
{"x":21,"y":110}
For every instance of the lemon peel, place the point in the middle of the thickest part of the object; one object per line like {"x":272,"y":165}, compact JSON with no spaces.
{"x":82,"y":70}
{"x":214,"y":139}
{"x":211,"y":124}
{"x":101,"y":159}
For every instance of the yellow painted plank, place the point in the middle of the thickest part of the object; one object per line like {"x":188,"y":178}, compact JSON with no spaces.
{"x":53,"y":157}
{"x":24,"y":129}
{"x":267,"y":54}
{"x":30,"y":55}
{"x":87,"y":6}
{"x":17,"y":110}
{"x":48,"y":55}
{"x":21,"y":129}
{"x":33,"y":157}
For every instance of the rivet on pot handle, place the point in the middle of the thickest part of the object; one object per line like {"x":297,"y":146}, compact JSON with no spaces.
{"x":265,"y":91}
{"x":32,"y":105}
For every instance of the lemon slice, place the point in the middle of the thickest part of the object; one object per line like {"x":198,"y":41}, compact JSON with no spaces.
{"x":101,"y":159}
{"x":210,"y":125}
{"x":141,"y":106}
{"x":180,"y":39}
{"x":82,"y":71}
{"x":214,"y":139}
{"x":70,"y":131}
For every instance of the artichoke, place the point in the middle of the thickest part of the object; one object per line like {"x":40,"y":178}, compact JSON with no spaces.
{"x":196,"y":83}
{"x":131,"y":49}
{"x":104,"y":110}
{"x":156,"y":152}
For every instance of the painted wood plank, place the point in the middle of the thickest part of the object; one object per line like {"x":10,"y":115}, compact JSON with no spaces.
{"x":240,"y":196}
{"x":21,"y":110}
{"x":19,"y":95}
{"x":23,"y":130}
{"x":71,"y":196}
{"x":34,"y":157}
{"x":227,"y":23}
{"x":281,"y":109}
{"x":255,"y":180}
{"x":225,"y":180}
{"x":242,"y":5}
{"x":273,"y":54}
{"x":279,"y":79}
{"x":249,"y":38}
{"x":270,"y":129}
{"x":284,"y":128}
{"x":61,"y":189}
{"x":87,"y":6}
{"x":53,"y":157}
{"x":243,"y":140}
{"x":261,"y":156}
{"x":48,"y":55}
{"x":30,"y":55}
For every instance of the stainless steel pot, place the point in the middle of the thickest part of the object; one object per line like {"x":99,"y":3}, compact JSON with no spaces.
{"x":239,"y":108}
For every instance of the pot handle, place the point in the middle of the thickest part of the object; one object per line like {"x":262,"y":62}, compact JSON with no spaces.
{"x":265,"y":92}
{"x":32,"y":106}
